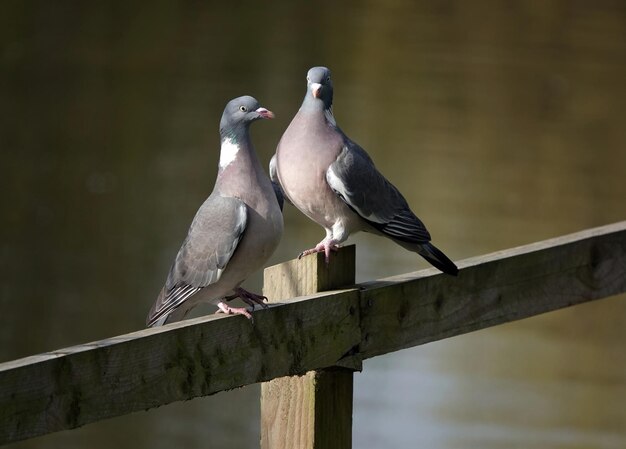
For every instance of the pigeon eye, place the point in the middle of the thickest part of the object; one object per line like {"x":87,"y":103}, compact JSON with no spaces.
{"x":243,"y":108}
{"x":328,"y":79}
{"x":308,"y":79}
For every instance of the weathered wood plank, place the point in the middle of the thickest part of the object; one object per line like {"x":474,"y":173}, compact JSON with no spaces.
{"x":414,"y":309}
{"x":86,"y":383}
{"x":313,"y":411}
{"x":309,"y":411}
{"x":72,"y":387}
{"x":310,"y":275}
{"x":334,"y":394}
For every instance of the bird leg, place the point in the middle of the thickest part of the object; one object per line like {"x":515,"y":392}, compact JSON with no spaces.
{"x":228,"y":310}
{"x":248,"y":297}
{"x":325,"y":245}
{"x":251,"y":298}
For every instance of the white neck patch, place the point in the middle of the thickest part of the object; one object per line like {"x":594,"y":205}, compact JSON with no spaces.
{"x":228,"y":153}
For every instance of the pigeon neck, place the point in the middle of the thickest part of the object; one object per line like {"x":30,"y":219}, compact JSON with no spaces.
{"x":315,"y":105}
{"x":239,"y":166}
{"x":237,"y":153}
{"x":311,"y":104}
{"x":237,"y":133}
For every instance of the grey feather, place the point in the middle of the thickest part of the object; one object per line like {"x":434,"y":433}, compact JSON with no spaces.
{"x":211,"y":241}
{"x":278,"y":190}
{"x":235,"y":230}
{"x":280,"y":195}
{"x":367,"y":192}
{"x":272,"y":169}
{"x":335,"y":183}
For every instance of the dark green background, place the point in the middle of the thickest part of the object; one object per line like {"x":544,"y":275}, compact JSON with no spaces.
{"x":502,"y":123}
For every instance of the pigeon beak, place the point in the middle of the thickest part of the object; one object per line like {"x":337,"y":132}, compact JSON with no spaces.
{"x":265,"y":113}
{"x":316,"y":90}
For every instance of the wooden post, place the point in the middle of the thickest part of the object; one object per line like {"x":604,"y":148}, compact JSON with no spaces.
{"x":312,"y":411}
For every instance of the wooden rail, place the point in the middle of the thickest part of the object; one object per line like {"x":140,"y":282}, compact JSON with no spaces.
{"x":71,"y":387}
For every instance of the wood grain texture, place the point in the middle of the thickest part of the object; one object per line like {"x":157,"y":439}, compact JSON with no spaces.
{"x":313,"y":411}
{"x":71,"y":387}
{"x":309,"y":411}
{"x":505,"y":286}
{"x":310,"y":275}
{"x":334,"y":394}
{"x":68,"y":388}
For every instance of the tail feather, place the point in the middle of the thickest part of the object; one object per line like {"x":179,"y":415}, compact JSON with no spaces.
{"x":438,"y":259}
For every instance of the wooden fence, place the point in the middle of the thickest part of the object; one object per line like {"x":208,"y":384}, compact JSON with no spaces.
{"x":317,"y":338}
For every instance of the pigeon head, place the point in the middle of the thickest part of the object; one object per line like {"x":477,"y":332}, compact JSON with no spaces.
{"x":240,"y":112}
{"x":320,"y":86}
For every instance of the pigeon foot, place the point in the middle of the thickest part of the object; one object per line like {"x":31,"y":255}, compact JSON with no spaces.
{"x":325,"y":246}
{"x":228,"y":310}
{"x":251,"y":298}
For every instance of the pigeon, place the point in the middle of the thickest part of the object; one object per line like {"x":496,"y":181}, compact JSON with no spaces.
{"x":278,"y":191}
{"x":234,"y":232}
{"x":335,"y":183}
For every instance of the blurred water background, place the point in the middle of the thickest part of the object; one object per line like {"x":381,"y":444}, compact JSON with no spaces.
{"x":501,"y":122}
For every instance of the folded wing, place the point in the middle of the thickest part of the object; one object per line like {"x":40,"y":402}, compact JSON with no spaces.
{"x":211,"y":241}
{"x":355,"y":179}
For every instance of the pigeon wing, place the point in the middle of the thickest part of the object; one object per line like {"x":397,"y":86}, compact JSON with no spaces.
{"x":278,"y":189}
{"x":211,"y":241}
{"x":355,"y":179}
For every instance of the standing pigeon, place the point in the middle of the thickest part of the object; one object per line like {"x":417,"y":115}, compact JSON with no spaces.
{"x":334,"y":182}
{"x":233,"y":233}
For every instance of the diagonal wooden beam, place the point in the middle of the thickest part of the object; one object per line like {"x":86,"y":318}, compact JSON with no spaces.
{"x":410,"y":310}
{"x":86,"y":383}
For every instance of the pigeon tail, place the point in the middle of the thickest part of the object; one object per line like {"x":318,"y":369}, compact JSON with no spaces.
{"x":437,"y":258}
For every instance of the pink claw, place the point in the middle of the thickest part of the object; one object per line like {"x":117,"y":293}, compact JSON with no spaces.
{"x":324,"y":246}
{"x":228,"y":310}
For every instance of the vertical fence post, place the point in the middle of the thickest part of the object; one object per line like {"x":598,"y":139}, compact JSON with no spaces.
{"x":313,"y":411}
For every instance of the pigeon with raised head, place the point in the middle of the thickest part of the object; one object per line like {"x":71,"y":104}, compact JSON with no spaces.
{"x":234,"y":232}
{"x":334,"y":182}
